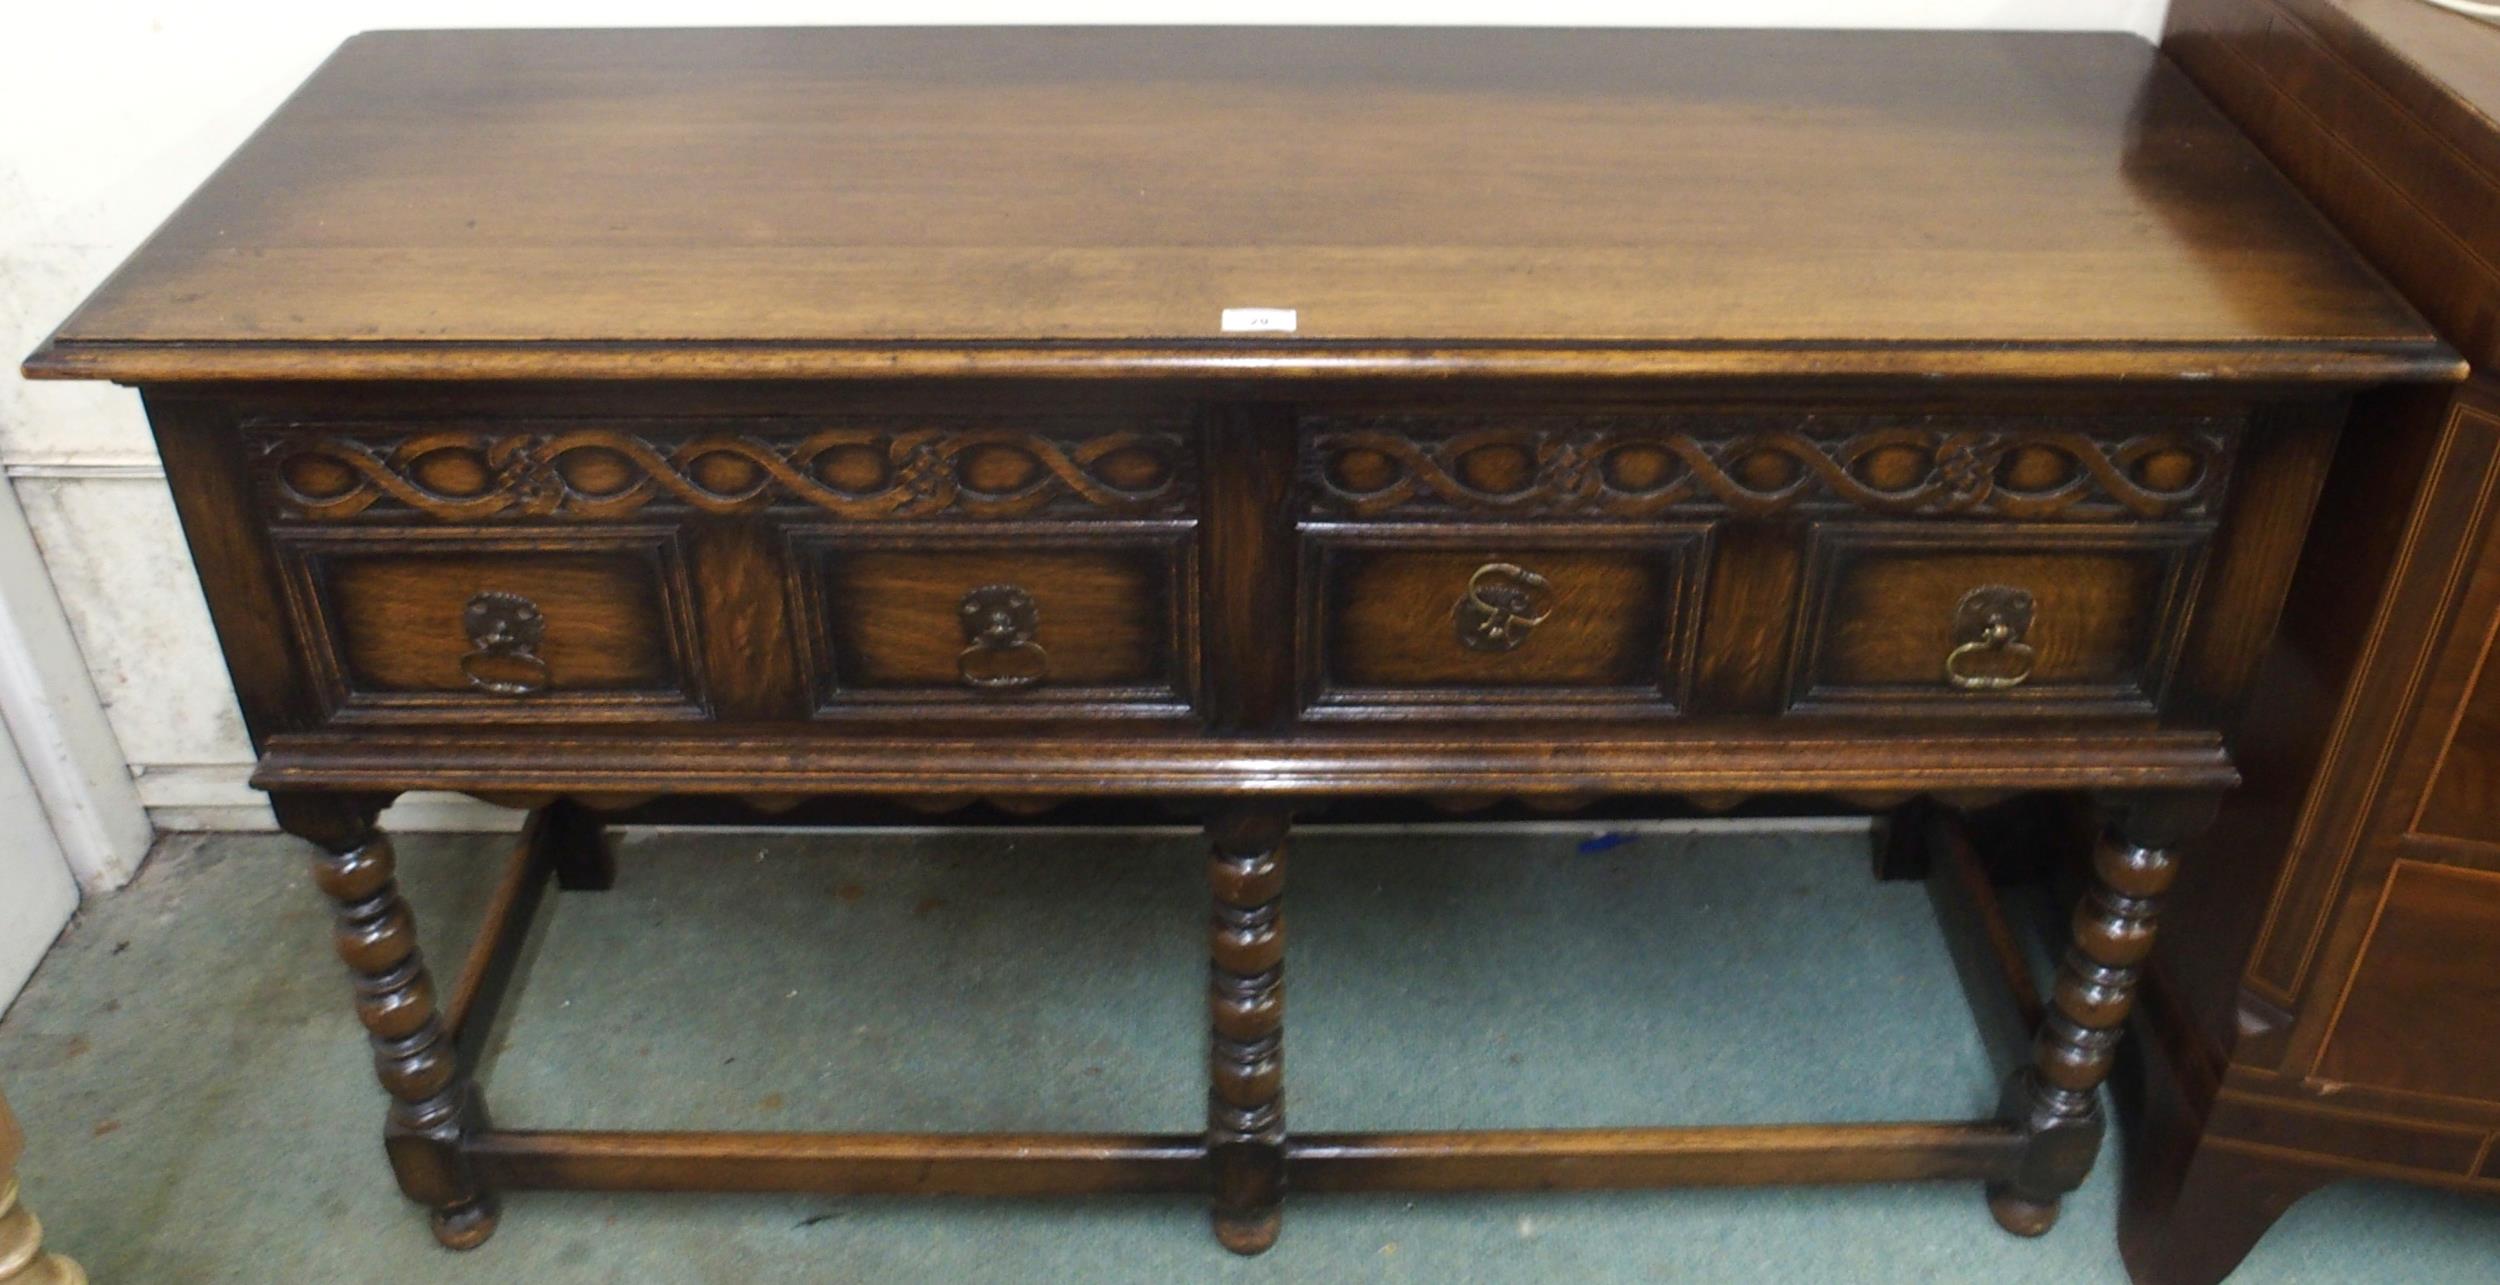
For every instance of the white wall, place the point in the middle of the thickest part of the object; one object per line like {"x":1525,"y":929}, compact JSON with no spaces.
{"x":112,"y":110}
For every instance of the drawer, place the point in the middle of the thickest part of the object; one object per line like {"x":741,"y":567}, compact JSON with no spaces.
{"x":1559,"y":621}
{"x":992,"y":621}
{"x":1963,"y":618}
{"x":554,"y":625}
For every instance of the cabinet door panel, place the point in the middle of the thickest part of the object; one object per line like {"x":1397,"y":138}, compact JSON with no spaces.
{"x":2464,"y":797}
{"x":2421,"y":1011}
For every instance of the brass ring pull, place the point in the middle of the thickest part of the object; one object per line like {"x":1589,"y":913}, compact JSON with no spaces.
{"x":1991,"y":621}
{"x":504,"y":632}
{"x":999,"y":652}
{"x":1503,"y":603}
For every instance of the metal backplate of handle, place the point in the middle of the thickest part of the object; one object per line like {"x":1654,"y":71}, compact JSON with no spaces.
{"x":1989,"y":654}
{"x":1503,"y":603}
{"x":999,"y":652}
{"x":504,"y":632}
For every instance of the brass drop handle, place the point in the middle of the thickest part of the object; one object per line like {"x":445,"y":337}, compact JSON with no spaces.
{"x":1991,"y":656}
{"x":999,"y":652}
{"x":504,"y":632}
{"x":1504,"y":602}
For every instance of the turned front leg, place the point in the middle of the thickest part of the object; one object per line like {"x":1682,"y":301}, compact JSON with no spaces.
{"x":2056,"y":1099}
{"x":1246,"y":1003}
{"x":433,"y":1105}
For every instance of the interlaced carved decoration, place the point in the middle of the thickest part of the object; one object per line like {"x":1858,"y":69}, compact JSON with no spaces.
{"x":2075,"y":468}
{"x":852,"y":472}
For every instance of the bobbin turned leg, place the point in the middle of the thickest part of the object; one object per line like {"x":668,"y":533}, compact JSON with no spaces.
{"x":433,"y":1105}
{"x":1246,"y":1003}
{"x":2056,"y":1099}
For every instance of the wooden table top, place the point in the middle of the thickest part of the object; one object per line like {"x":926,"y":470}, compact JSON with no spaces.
{"x":819,"y":202}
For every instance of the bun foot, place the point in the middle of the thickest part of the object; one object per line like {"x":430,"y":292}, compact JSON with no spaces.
{"x":466,"y":1226}
{"x":1249,"y":1236}
{"x":22,"y":1258}
{"x":2025,"y":1218}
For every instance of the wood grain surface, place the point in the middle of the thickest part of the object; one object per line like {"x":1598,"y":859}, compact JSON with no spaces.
{"x":1055,"y":201}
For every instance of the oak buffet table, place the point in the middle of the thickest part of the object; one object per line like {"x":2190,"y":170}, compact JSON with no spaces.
{"x":1252,"y":422}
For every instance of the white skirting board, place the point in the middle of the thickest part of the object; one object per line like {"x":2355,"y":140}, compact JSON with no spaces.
{"x":209,"y":797}
{"x":189,"y":797}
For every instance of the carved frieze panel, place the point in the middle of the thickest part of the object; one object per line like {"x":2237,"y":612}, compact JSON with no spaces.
{"x":592,"y":473}
{"x":2088,"y":469}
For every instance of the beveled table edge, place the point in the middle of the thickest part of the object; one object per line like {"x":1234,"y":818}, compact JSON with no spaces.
{"x":2351,"y":363}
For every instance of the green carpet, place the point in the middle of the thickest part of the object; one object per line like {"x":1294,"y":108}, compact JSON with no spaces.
{"x":201,"y":1105}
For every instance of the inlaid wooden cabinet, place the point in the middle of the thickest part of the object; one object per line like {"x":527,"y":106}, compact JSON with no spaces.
{"x":2329,"y":1006}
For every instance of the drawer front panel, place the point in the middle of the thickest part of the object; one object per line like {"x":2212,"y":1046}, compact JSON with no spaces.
{"x":998,"y":623}
{"x":468,"y":627}
{"x":1966,"y":619}
{"x":1558,"y":621}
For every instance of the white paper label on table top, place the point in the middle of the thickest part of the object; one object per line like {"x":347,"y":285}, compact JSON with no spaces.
{"x":1260,"y":320}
